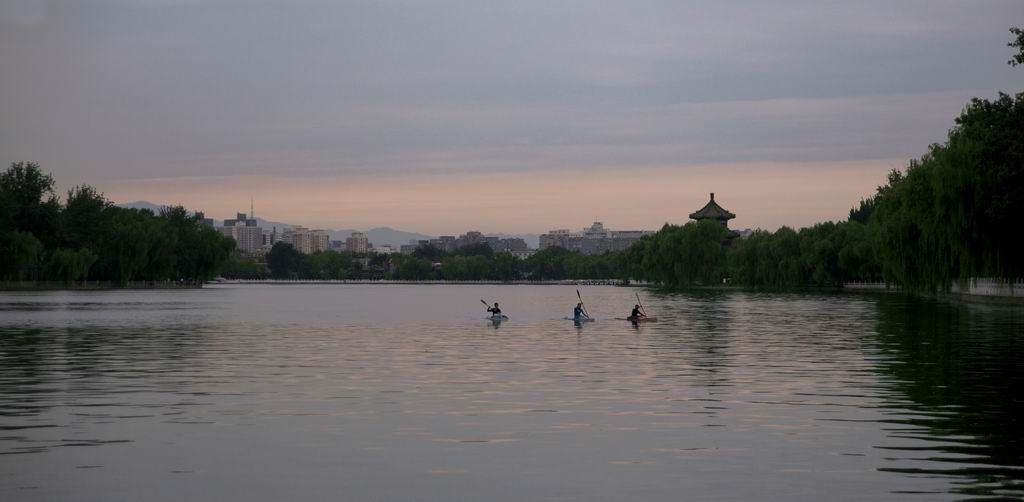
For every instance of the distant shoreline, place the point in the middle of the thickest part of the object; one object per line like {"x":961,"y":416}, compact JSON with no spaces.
{"x":92,"y":285}
{"x":608,"y":282}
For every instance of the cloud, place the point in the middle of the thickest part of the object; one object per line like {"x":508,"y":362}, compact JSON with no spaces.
{"x":154,"y":89}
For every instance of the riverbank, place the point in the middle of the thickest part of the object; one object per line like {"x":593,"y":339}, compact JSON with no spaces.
{"x":609,"y":282}
{"x":92,"y":285}
{"x":981,"y":290}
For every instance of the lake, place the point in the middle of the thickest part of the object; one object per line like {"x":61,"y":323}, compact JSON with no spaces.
{"x":406,"y":392}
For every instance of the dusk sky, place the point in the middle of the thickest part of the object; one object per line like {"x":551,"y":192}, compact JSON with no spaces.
{"x":521,"y":116}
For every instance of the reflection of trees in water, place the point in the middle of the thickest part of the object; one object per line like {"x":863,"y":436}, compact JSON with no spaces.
{"x":961,"y":364}
{"x":43,"y":368}
{"x":704,"y":340}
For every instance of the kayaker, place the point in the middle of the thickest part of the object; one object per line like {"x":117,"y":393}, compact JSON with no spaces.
{"x":578,"y":313}
{"x":636,"y":314}
{"x":495,"y":311}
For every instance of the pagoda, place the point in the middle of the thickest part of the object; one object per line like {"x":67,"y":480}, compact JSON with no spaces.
{"x":712,"y":211}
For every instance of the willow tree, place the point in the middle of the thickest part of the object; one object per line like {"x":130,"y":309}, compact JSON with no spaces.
{"x":956,"y":213}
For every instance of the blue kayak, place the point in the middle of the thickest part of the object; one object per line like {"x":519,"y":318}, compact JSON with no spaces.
{"x":578,"y":319}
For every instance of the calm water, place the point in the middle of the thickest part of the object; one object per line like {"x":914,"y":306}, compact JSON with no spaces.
{"x":407,"y":393}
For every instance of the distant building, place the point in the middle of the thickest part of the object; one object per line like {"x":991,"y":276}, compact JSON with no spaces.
{"x":270,"y":238}
{"x":592,"y":241}
{"x":408,"y":249}
{"x":357,"y":243}
{"x":509,"y":245}
{"x":246,"y":232}
{"x":524,"y":254}
{"x":307,"y":241}
{"x":451,"y":244}
{"x":558,"y":238}
{"x":470,"y":238}
{"x":384,"y":249}
{"x":446,"y":243}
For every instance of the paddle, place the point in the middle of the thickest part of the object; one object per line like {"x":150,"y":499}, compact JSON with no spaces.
{"x":485,"y":303}
{"x":638,"y":302}
{"x":578,"y":295}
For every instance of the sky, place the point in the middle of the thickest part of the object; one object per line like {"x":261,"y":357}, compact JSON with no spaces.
{"x":518,"y":117}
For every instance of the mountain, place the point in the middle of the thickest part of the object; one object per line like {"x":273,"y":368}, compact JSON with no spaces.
{"x":378,"y":236}
{"x":142,"y":204}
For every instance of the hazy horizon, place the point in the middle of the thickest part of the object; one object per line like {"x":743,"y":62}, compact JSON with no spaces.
{"x":440,"y":117}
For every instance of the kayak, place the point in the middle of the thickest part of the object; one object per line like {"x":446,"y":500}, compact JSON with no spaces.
{"x":637,"y":319}
{"x":578,"y":319}
{"x":501,"y":317}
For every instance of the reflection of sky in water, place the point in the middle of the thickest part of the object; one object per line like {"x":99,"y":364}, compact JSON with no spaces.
{"x":407,"y":393}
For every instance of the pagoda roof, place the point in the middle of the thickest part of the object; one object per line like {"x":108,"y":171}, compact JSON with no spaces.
{"x":712,"y":211}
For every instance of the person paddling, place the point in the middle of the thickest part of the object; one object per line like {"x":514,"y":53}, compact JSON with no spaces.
{"x":495,"y":311}
{"x":578,"y":312}
{"x":636,"y":313}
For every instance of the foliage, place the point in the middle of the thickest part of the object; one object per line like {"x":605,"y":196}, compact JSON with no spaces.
{"x":284,"y":261}
{"x":239,"y":266}
{"x":20,"y":252}
{"x":1018,"y":44}
{"x":955,"y":213}
{"x":87,"y":237}
{"x":429,"y":252}
{"x":29,"y":203}
{"x":69,"y":265}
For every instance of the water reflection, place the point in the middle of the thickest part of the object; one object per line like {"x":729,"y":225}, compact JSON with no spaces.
{"x":961,"y":367}
{"x":729,"y":396}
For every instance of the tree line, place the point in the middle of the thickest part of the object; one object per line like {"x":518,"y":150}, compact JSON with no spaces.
{"x":86,"y":237}
{"x":954,"y":214}
{"x":427,"y":263}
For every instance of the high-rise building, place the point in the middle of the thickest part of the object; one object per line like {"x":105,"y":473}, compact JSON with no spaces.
{"x":307,"y":241}
{"x":357,"y":243}
{"x":246,"y":232}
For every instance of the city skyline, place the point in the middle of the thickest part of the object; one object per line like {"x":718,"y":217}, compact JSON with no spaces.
{"x":791,"y":197}
{"x":518,"y":118}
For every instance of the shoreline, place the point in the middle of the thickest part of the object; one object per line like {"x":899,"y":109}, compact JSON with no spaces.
{"x":91,"y":286}
{"x":608,"y":282}
{"x":952,"y":296}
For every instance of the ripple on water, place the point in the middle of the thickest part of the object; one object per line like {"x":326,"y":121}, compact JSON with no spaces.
{"x":788,"y":396}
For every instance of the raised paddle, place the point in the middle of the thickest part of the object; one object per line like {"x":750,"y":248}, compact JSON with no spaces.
{"x":578,"y":295}
{"x":638,"y":302}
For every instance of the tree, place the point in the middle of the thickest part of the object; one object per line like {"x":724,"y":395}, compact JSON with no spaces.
{"x":29,"y":202}
{"x":69,"y":265}
{"x":83,"y":218}
{"x":284,"y":261}
{"x":20,"y":252}
{"x":1018,"y":44}
{"x":429,"y":252}
{"x":504,"y":267}
{"x":199,"y":250}
{"x":415,"y":269}
{"x":238,"y":266}
{"x":955,"y":214}
{"x":478,"y":249}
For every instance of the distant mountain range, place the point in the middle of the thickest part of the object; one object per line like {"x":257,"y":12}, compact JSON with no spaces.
{"x":379,"y":236}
